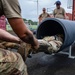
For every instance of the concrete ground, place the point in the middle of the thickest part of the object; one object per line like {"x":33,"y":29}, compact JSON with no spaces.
{"x":43,"y":64}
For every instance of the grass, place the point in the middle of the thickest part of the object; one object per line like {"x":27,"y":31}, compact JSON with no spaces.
{"x":33,"y":27}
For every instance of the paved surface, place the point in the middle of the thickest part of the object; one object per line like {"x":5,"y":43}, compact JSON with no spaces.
{"x":42,"y":64}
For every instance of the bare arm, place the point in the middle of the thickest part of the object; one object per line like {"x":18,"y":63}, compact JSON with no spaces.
{"x":65,"y":17}
{"x":64,"y":14}
{"x":48,"y":15}
{"x":40,"y":19}
{"x":5,"y":36}
{"x":53,"y":13}
{"x":22,"y":31}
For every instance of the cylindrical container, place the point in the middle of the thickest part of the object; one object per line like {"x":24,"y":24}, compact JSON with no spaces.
{"x":53,"y":26}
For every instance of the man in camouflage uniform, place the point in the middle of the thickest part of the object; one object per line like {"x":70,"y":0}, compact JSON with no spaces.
{"x":59,"y":12}
{"x":11,"y":63}
{"x":44,"y":15}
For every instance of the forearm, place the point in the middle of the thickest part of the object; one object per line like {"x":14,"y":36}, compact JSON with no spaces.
{"x":65,"y":15}
{"x":29,"y":39}
{"x":5,"y":36}
{"x":40,"y":20}
{"x":22,"y":31}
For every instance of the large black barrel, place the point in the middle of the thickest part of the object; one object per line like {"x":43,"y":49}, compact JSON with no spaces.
{"x":52,"y":26}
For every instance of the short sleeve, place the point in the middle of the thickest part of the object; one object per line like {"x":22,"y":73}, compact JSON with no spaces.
{"x":11,"y":8}
{"x":48,"y":15}
{"x":40,"y":15}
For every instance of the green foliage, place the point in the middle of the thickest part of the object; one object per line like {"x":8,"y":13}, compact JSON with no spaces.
{"x":24,"y":19}
{"x":31,"y":22}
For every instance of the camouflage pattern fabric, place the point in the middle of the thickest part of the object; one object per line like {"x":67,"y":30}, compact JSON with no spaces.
{"x":23,"y":48}
{"x":54,"y":43}
{"x":11,"y":63}
{"x":48,"y":44}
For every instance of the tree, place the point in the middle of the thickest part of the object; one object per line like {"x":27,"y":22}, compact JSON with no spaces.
{"x":30,"y":22}
{"x":24,"y":19}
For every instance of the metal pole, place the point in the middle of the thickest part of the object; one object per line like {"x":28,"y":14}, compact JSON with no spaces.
{"x":37,"y":7}
{"x":37,"y":12}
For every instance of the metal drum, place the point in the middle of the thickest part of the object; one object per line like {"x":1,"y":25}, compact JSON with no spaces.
{"x":53,"y":26}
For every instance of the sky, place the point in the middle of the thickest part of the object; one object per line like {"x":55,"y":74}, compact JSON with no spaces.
{"x":29,"y":7}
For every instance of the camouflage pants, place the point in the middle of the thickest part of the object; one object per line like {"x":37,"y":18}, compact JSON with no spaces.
{"x":11,"y":63}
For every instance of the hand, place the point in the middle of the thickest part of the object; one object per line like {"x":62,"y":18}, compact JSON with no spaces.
{"x":36,"y":46}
